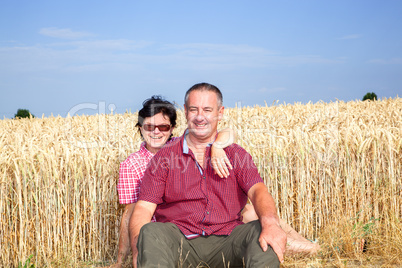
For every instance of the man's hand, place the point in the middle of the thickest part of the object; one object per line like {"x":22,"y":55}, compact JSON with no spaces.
{"x":273,"y":235}
{"x":271,"y":232}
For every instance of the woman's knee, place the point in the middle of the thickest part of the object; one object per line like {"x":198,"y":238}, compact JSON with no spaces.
{"x":249,"y":214}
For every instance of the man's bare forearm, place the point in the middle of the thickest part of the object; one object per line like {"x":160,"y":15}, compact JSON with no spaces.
{"x":264,"y":204}
{"x":271,"y":232}
{"x":142,"y":215}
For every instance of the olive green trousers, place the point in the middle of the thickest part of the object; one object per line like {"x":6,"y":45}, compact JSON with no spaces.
{"x":164,"y":245}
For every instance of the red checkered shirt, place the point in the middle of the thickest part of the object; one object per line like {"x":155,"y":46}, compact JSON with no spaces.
{"x":131,"y":173}
{"x":198,"y":201}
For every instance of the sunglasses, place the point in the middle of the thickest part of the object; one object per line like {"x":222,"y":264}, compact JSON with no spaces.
{"x":160,"y":127}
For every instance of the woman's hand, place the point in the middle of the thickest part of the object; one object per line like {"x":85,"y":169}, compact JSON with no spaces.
{"x":220,"y":162}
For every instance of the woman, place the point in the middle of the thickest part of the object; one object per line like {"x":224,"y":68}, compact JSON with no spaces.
{"x":156,"y":121}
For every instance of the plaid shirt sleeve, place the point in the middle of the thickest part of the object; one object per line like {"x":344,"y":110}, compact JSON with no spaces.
{"x":130,"y":178}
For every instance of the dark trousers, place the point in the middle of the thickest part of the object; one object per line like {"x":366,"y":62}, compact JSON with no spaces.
{"x":164,"y":245}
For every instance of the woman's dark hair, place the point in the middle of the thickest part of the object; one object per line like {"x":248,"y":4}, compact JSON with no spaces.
{"x":156,"y":105}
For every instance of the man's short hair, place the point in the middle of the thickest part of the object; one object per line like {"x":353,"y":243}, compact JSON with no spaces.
{"x":205,"y":87}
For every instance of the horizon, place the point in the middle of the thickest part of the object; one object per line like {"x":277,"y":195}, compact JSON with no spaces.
{"x":102,"y":109}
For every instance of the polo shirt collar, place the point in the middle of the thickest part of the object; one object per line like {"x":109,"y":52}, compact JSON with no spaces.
{"x":185,"y":145}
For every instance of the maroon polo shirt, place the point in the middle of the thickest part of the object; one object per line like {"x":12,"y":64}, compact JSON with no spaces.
{"x":198,"y":201}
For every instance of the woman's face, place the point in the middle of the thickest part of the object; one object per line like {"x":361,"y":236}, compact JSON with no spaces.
{"x":156,"y":137}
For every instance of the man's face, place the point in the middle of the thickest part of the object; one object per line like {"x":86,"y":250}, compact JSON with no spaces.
{"x":203,"y":114}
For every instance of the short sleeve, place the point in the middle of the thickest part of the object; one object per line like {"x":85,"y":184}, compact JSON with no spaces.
{"x":154,"y":180}
{"x":128,"y":186}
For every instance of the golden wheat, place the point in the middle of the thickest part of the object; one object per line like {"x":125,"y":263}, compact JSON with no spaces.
{"x":334,"y":170}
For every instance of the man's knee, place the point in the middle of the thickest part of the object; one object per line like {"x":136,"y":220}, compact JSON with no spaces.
{"x":158,"y":232}
{"x":254,"y":228}
{"x":158,"y":245}
{"x":256,"y":257}
{"x":152,"y":231}
{"x":149,"y":228}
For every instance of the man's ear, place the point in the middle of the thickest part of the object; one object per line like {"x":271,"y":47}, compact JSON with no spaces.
{"x":220,"y":115}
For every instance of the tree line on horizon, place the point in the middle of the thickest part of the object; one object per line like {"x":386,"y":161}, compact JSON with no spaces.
{"x":24,"y":113}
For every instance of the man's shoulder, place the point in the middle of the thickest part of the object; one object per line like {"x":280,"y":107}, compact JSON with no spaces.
{"x":173,"y":146}
{"x":239,"y":157}
{"x":235,"y":148}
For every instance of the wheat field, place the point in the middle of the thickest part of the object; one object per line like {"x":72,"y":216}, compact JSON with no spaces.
{"x":334,"y":170}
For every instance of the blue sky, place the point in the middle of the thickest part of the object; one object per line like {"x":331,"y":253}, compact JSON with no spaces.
{"x":78,"y":56}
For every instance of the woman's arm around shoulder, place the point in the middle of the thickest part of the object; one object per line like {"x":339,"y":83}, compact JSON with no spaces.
{"x":220,"y":161}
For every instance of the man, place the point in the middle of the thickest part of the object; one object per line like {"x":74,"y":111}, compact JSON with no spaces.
{"x":198,"y":213}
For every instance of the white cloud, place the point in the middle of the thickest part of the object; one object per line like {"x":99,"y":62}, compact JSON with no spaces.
{"x":350,"y":36}
{"x":196,"y":48}
{"x":385,"y":61}
{"x":63,"y":33}
{"x":276,"y":89}
{"x":202,"y":56}
{"x":121,"y":54}
{"x":269,"y":90}
{"x":304,"y":59}
{"x":106,"y":45}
